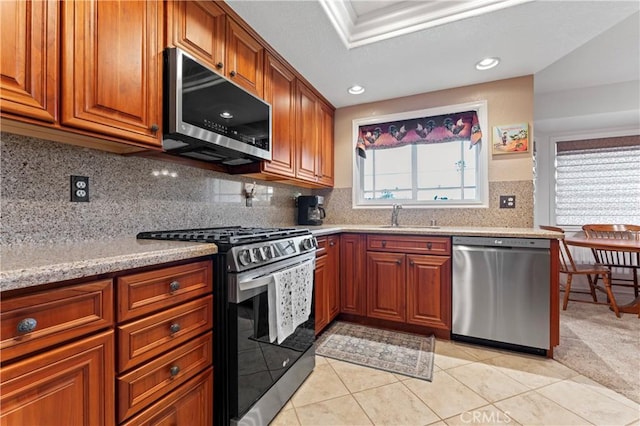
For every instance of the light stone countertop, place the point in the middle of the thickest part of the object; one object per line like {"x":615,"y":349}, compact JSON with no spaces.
{"x":445,"y":231}
{"x":27,"y":265}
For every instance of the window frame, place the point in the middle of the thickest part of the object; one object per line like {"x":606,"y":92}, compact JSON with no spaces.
{"x":546,"y":165}
{"x":482,"y":173}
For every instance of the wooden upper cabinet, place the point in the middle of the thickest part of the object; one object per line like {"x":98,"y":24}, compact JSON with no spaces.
{"x":325,"y":144}
{"x":306,"y":134}
{"x":279,"y":91}
{"x":199,"y":28}
{"x":245,"y":59}
{"x":112,"y":68}
{"x":29,"y":59}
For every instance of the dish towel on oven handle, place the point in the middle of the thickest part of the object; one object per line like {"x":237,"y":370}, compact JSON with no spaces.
{"x":290,"y":293}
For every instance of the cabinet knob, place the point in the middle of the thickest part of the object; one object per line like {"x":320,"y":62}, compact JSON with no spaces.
{"x":384,"y":243}
{"x":27,"y":325}
{"x":174,"y":371}
{"x":332,"y":243}
{"x":219,"y":65}
{"x":429,"y":245}
{"x":154,"y":127}
{"x":232,"y":73}
{"x":399,"y":261}
{"x":174,"y":328}
{"x":174,"y":286}
{"x":411,"y":263}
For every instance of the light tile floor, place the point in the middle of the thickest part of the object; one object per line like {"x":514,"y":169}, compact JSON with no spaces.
{"x":472,"y":385}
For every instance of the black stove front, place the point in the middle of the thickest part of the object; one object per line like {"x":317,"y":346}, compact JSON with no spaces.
{"x":253,"y":376}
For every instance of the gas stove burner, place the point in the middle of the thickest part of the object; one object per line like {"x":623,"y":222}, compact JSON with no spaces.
{"x":224,"y":235}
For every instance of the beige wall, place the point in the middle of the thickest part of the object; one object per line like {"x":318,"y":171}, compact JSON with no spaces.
{"x":509,"y":102}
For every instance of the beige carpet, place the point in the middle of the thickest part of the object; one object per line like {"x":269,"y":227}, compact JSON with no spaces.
{"x":602,"y":347}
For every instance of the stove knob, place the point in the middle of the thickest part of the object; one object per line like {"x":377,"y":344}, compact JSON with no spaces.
{"x":308,"y":244}
{"x":258,"y":255}
{"x":244,"y":257}
{"x":268,"y":252}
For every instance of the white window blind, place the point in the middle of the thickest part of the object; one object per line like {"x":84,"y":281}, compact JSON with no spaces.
{"x":598,"y":181}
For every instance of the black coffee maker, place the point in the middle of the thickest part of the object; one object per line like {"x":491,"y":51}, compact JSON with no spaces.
{"x":310,"y":210}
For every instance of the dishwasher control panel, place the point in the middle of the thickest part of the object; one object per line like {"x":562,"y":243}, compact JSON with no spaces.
{"x":540,"y":243}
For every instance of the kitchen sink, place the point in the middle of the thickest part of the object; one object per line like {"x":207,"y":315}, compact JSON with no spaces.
{"x":409,"y":226}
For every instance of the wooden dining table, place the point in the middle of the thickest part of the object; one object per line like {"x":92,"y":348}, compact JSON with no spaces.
{"x":610,"y":244}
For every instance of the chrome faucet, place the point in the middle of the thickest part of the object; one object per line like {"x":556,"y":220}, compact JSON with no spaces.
{"x":394,"y":214}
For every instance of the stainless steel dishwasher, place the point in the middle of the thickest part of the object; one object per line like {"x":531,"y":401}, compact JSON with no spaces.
{"x":500,"y":292}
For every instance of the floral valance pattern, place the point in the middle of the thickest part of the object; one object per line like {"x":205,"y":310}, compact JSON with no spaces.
{"x":425,"y":130}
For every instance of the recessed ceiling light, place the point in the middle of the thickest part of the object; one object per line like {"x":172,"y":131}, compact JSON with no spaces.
{"x":356,"y":90}
{"x":225,"y":114}
{"x":487,"y":63}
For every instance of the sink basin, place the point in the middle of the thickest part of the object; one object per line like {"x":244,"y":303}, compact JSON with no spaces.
{"x":409,"y":226}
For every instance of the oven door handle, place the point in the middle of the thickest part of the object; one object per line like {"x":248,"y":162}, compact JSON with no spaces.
{"x":247,"y":286}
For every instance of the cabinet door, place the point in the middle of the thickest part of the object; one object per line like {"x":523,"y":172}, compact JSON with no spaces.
{"x":333,"y":276}
{"x":429,"y":291}
{"x":325,"y":144}
{"x":245,"y":59}
{"x":189,"y":405}
{"x":29,"y":58}
{"x":111,"y":68}
{"x":307,"y":134}
{"x":353,"y":298}
{"x":198,"y":27}
{"x":320,"y":294}
{"x":279,"y":91}
{"x":70,"y":385}
{"x":386,"y":288}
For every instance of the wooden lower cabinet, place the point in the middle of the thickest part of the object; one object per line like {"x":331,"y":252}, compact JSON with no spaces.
{"x":386,"y":287}
{"x":69,"y":385}
{"x":327,"y":281}
{"x":189,"y":405}
{"x":429,"y":291}
{"x":408,"y":280}
{"x":353,"y":274}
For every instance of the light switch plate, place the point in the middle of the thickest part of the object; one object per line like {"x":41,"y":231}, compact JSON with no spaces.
{"x":507,"y":201}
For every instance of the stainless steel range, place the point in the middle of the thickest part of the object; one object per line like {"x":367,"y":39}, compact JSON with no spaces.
{"x":254,"y":374}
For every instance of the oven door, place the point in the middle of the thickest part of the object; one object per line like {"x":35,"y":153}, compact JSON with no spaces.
{"x":256,"y":364}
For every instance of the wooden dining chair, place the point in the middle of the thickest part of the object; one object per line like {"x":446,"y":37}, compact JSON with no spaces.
{"x":570,"y":268}
{"x":617,"y":259}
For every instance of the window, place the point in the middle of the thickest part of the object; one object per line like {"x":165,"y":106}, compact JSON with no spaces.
{"x":598,"y":181}
{"x":447,"y":170}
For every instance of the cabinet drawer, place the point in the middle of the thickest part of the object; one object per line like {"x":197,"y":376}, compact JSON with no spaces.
{"x":151,"y":291}
{"x":36,"y":321}
{"x":145,"y":338}
{"x":323,"y":242}
{"x":188,"y":405}
{"x":160,"y":376}
{"x":409,"y":244}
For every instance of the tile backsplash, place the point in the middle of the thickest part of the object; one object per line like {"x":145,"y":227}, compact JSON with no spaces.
{"x":127,"y":194}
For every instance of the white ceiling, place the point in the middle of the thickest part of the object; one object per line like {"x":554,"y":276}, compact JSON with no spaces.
{"x":565,"y":44}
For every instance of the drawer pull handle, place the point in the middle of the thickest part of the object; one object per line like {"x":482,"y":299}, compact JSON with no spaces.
{"x":429,"y":245}
{"x":174,"y":371}
{"x":27,"y":325}
{"x":174,"y":328}
{"x":384,"y":243}
{"x":174,"y":286}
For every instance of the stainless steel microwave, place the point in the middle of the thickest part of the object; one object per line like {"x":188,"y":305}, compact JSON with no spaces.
{"x":207,"y":117}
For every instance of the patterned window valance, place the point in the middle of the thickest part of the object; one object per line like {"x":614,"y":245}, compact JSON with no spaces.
{"x":425,"y":130}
